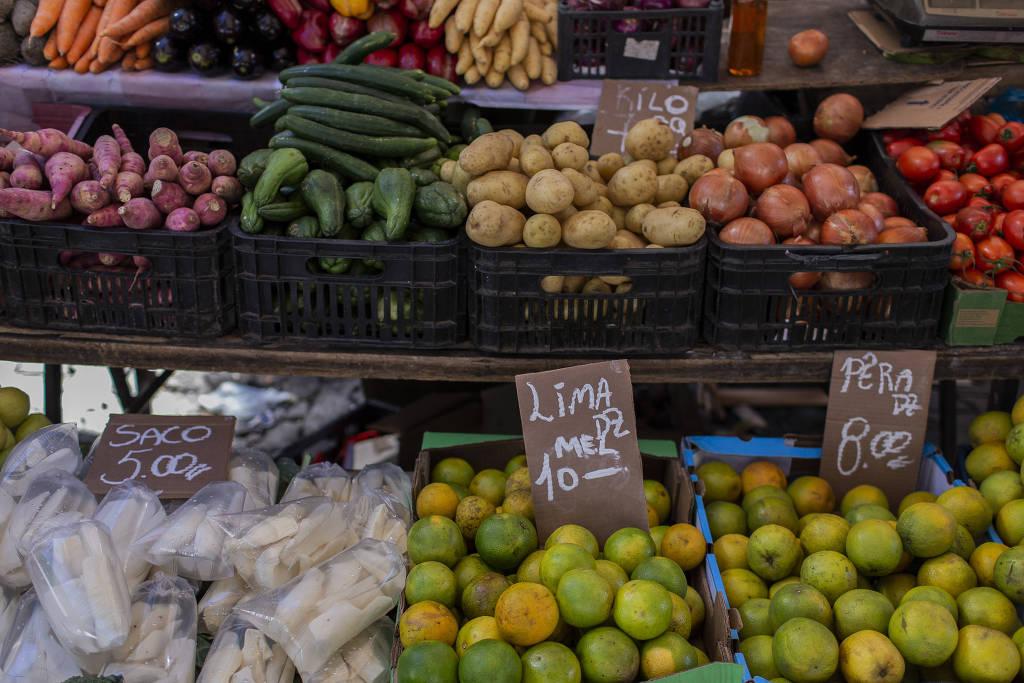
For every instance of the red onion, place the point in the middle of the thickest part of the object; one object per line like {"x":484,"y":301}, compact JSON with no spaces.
{"x":747,"y":231}
{"x":745,"y":130}
{"x":760,"y":165}
{"x":801,"y":157}
{"x":847,"y":227}
{"x":780,"y":131}
{"x":830,"y":188}
{"x":719,"y":198}
{"x":784,"y":209}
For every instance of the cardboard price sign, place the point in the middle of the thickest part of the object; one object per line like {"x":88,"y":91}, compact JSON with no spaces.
{"x":876,"y":421}
{"x":624,"y":103}
{"x":932,"y":106}
{"x":173,"y":455}
{"x":579,"y":428}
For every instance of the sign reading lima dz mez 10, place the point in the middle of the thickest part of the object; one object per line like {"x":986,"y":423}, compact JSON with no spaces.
{"x":579,"y":429}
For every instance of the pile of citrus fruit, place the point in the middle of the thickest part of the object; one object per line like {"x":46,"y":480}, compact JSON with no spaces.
{"x":995,"y":465}
{"x":526,"y":610}
{"x":862,"y":593}
{"x":16,"y":423}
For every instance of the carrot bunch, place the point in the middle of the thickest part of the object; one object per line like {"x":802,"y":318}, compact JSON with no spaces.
{"x":94,"y":35}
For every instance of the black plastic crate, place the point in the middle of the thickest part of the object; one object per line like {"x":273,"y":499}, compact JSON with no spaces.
{"x":414,"y":302}
{"x":670,"y":44}
{"x":749,"y":303}
{"x":188,"y":290}
{"x":510,"y":313}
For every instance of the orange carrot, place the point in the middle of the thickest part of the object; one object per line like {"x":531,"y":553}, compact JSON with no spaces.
{"x":109,"y":51}
{"x":50,"y":48}
{"x":85,"y":35}
{"x":97,"y":67}
{"x":71,"y":17}
{"x":146,"y":12}
{"x":144,"y":63}
{"x":142,"y":51}
{"x":100,"y":3}
{"x":128,"y":61}
{"x":82,"y":64}
{"x":58,"y":62}
{"x":47,"y":14}
{"x":150,"y":31}
{"x":113,"y":12}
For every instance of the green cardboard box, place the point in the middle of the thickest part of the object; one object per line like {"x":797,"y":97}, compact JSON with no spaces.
{"x":980,"y":316}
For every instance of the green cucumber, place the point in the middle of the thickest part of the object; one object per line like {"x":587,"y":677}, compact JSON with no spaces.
{"x":363,"y":104}
{"x":357,"y":50}
{"x":423,"y":176}
{"x":388,"y":82}
{"x":424,"y":158}
{"x":270,"y":113}
{"x":343,"y":164}
{"x":323,"y":194}
{"x":285,"y":211}
{"x":344,"y":86}
{"x":350,"y":142}
{"x":416,"y":75}
{"x":354,"y":122}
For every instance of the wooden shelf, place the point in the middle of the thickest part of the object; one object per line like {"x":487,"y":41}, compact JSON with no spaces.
{"x":231,"y":354}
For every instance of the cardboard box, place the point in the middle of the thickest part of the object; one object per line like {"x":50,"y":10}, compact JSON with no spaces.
{"x":976,"y":316}
{"x":661,"y":462}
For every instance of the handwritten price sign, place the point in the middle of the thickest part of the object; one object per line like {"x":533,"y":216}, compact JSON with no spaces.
{"x":175,"y":456}
{"x":877,"y":417}
{"x":624,"y":103}
{"x":580,"y":433}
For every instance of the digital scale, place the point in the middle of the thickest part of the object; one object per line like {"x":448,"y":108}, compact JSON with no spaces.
{"x":956,"y":21}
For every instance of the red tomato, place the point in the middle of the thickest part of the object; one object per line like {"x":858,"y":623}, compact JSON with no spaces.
{"x":995,"y":254}
{"x":950,"y":218}
{"x":976,"y":184}
{"x":919,"y":164}
{"x":951,"y":155}
{"x":898,"y":147}
{"x":950,"y":132}
{"x":945,"y":174}
{"x":963,"y":253}
{"x":1013,"y":195}
{"x":1000,"y":182}
{"x":946,"y":196}
{"x":997,"y":224}
{"x":1013,"y":229}
{"x":984,"y":129}
{"x":990,"y":160}
{"x":901,"y":134}
{"x":973,"y":222}
{"x":1012,"y":282}
{"x":976,"y":277}
{"x":1011,"y":136}
{"x":983,"y":203}
{"x":1017,"y":163}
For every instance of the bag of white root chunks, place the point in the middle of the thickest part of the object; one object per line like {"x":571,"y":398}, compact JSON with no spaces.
{"x":241,"y":652}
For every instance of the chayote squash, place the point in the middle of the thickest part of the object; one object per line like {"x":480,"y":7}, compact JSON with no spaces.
{"x":359,"y":204}
{"x":440,"y":205}
{"x":394,"y":191}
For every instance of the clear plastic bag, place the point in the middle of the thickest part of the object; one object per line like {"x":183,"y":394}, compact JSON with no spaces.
{"x":76,"y":573}
{"x":271,"y":546}
{"x":257,"y":472}
{"x":161,"y":647}
{"x":31,"y":652}
{"x":189,"y":543}
{"x":390,"y":479}
{"x":364,"y":659}
{"x":220,"y":597}
{"x":130,"y":511}
{"x":51,"y":496}
{"x":315,"y":614}
{"x":380,"y":517}
{"x":10,"y":598}
{"x":52,"y":447}
{"x":241,"y":653}
{"x":322,"y":479}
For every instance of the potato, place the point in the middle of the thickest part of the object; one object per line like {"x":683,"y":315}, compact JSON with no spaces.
{"x":460,"y":179}
{"x":493,"y":225}
{"x":619,"y":216}
{"x":590,"y":170}
{"x":515,"y":136}
{"x":667,"y":205}
{"x":588,"y":230}
{"x":552,"y":284}
{"x":566,"y":213}
{"x":542,"y":231}
{"x":583,"y":188}
{"x":566,"y":131}
{"x":654,"y":246}
{"x":597,"y":286}
{"x":447,"y":170}
{"x":667,"y":165}
{"x":489,"y":152}
{"x":671,"y":188}
{"x":569,"y":155}
{"x":600,"y":204}
{"x":549,"y":192}
{"x":650,"y":139}
{"x":624,"y":288}
{"x":534,"y":158}
{"x":614,"y":280}
{"x":635,"y":217}
{"x":693,"y":167}
{"x":531,"y":140}
{"x":624,"y":239}
{"x":727,"y":160}
{"x":601,"y":189}
{"x":504,"y":187}
{"x":634,"y":184}
{"x":608,"y":164}
{"x":573,"y":284}
{"x":675,"y":227}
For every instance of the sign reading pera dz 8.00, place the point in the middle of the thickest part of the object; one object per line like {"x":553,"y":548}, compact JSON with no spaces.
{"x":579,"y":428}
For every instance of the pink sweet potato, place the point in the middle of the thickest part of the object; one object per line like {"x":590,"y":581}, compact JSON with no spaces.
{"x":227,"y":188}
{"x":169,"y":196}
{"x":84,"y":261}
{"x":47,"y":142}
{"x":26,"y":158}
{"x":5,"y":179}
{"x":109,"y":259}
{"x":142,"y":263}
{"x":194,"y":155}
{"x":133,"y":163}
{"x":210,"y":208}
{"x":88,"y":196}
{"x":33,"y":205}
{"x":128,"y":184}
{"x":195,"y":178}
{"x":6,"y":159}
{"x":122,"y":141}
{"x":107,"y":156}
{"x":141,"y":214}
{"x":222,"y":162}
{"x":64,"y":170}
{"x":27,"y":177}
{"x":164,"y":141}
{"x":94,"y":172}
{"x":182,"y":220}
{"x":66,"y":255}
{"x":161,"y":167}
{"x":107,"y":217}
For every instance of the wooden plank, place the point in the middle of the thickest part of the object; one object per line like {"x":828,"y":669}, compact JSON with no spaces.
{"x":230,"y":354}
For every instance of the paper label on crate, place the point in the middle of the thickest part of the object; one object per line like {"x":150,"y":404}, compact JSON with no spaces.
{"x":623,"y":103}
{"x":641,"y":49}
{"x":932,"y":106}
{"x":579,"y":428}
{"x":876,"y":421}
{"x":977,"y":317}
{"x":173,"y":455}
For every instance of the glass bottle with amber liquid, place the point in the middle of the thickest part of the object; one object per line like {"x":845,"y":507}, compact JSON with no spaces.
{"x":746,"y":42}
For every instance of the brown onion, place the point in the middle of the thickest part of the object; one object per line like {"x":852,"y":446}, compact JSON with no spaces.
{"x":838,"y":117}
{"x":802,"y":280}
{"x":903,"y":235}
{"x":747,"y":231}
{"x":719,"y":171}
{"x":830,"y":188}
{"x":745,"y":130}
{"x":865,"y":178}
{"x":801,"y":157}
{"x":780,"y":131}
{"x":808,"y":48}
{"x":760,"y":165}
{"x":792,"y":181}
{"x":898,"y":222}
{"x":784,"y":209}
{"x":704,"y":141}
{"x":848,"y":227}
{"x":844,"y":281}
{"x":726,"y":160}
{"x":831,"y":152}
{"x":813,"y":232}
{"x":872,"y":212}
{"x":719,"y":198}
{"x":886,"y":204}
